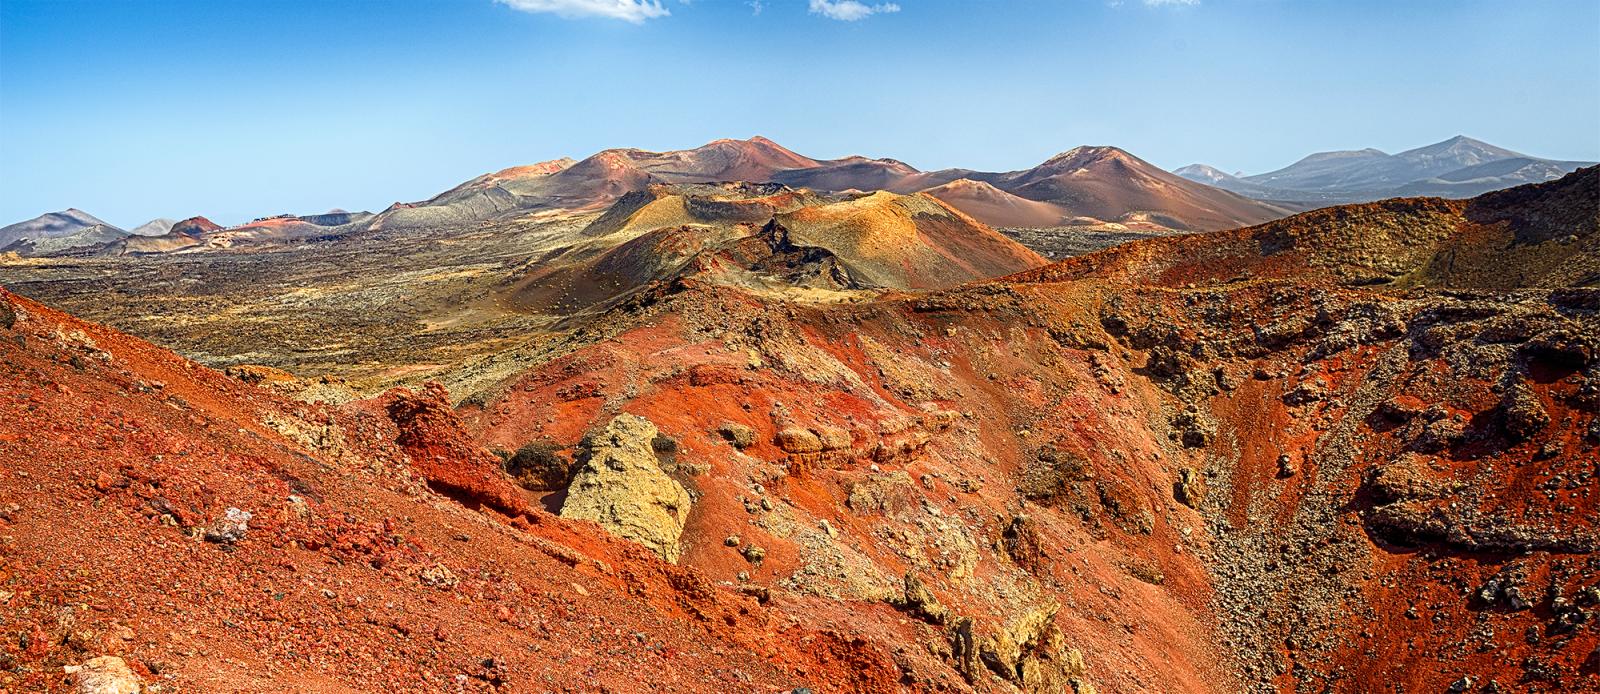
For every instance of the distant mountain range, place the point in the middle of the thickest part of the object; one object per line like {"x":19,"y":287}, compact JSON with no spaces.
{"x":1085,"y":185}
{"x":68,"y":229}
{"x":1095,"y":186}
{"x":1459,"y":167}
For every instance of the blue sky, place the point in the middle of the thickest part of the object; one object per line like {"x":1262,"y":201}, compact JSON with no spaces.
{"x":239,"y":109}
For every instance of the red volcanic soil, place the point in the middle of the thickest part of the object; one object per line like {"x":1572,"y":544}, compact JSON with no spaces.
{"x":958,"y":454}
{"x":194,"y":226}
{"x":1180,"y":466}
{"x":121,"y":462}
{"x":755,"y":159}
{"x":1354,"y":505}
{"x":1234,"y":471}
{"x":539,"y":169}
{"x":593,"y":182}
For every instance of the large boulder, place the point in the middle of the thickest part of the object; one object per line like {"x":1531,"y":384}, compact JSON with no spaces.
{"x":619,"y":484}
{"x":440,"y":449}
{"x":106,"y":674}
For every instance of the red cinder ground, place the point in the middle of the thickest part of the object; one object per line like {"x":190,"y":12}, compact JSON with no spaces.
{"x":353,"y":575}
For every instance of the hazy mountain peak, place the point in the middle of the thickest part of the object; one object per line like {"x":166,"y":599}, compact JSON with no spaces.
{"x":1455,"y":153}
{"x":154,"y":227}
{"x":1084,"y":155}
{"x":1204,"y":173}
{"x":53,"y":225}
{"x":1367,"y":153}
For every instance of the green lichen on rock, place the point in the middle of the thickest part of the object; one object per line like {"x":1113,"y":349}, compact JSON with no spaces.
{"x":619,"y":484}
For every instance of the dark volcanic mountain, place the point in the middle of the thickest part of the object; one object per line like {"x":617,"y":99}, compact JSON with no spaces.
{"x":55,"y":231}
{"x":1457,"y":167}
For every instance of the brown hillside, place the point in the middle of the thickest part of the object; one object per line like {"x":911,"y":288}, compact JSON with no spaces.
{"x":1110,"y":184}
{"x":995,"y":207}
{"x":908,"y":241}
{"x":1538,"y":235}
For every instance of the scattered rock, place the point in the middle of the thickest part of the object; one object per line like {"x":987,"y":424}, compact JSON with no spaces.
{"x":1125,"y":506}
{"x":1031,"y":653}
{"x":1190,"y":489}
{"x":1436,"y":430}
{"x":1193,"y":428}
{"x":828,"y":528}
{"x":1505,"y":590}
{"x":438,"y":446}
{"x":1020,"y":541}
{"x":1306,"y":393}
{"x":230,"y":528}
{"x":1405,"y":480}
{"x":754,"y":554}
{"x":1287,"y":466}
{"x":739,"y":435}
{"x":833,"y":438}
{"x":619,"y":484}
{"x":1521,"y":414}
{"x":1053,"y":474}
{"x":798,"y":440}
{"x":920,"y":601}
{"x":538,"y":466}
{"x":438,"y":576}
{"x":964,"y":650}
{"x":1400,"y":409}
{"x":1562,"y":348}
{"x":890,"y":494}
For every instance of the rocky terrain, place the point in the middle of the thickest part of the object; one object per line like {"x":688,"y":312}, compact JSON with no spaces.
{"x":752,"y":437}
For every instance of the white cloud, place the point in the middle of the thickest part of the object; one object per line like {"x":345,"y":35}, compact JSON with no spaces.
{"x":755,"y":6}
{"x":850,"y":10}
{"x":635,"y":11}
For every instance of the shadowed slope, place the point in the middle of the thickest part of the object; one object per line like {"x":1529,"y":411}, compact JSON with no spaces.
{"x":1539,"y":235}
